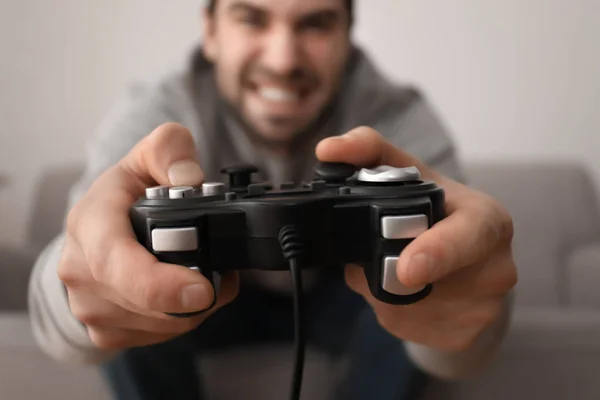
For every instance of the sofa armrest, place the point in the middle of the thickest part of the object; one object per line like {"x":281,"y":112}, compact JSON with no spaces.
{"x":583,"y":274}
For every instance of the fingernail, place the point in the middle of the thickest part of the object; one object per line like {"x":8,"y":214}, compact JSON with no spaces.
{"x":357,"y":133}
{"x":420,"y":269}
{"x":194,"y":297}
{"x":186,"y":172}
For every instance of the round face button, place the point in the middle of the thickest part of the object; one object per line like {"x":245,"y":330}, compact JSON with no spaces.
{"x":181,"y":192}
{"x":157,"y":192}
{"x":386,"y":174}
{"x":213,"y":188}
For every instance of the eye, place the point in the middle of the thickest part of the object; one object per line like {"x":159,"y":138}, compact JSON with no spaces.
{"x":253,"y":19}
{"x":321,"y":22}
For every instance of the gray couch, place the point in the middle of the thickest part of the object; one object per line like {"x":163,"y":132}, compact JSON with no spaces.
{"x":552,"y":350}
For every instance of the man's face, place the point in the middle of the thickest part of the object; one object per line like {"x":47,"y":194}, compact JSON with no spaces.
{"x":279,"y":62}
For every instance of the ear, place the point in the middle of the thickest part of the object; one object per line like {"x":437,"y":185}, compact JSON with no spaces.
{"x":209,"y":46}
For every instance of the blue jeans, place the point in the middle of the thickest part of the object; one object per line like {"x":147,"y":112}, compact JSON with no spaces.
{"x":339,"y":322}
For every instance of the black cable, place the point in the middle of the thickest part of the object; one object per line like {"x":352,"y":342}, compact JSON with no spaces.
{"x":299,"y":330}
{"x":292,"y":251}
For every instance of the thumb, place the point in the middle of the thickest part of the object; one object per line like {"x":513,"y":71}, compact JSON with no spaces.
{"x":165,"y":157}
{"x":365,"y":147}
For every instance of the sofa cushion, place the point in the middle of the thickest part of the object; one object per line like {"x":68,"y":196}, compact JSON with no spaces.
{"x":27,"y":373}
{"x":584,"y":276}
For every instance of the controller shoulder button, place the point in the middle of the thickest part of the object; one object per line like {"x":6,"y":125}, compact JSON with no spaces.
{"x":386,"y":174}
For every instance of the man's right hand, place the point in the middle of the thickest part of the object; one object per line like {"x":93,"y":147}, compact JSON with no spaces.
{"x":116,"y":288}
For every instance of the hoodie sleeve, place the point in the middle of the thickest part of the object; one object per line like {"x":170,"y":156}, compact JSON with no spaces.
{"x":135,"y":115}
{"x":419,"y":131}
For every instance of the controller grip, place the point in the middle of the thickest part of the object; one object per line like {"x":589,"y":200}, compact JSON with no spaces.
{"x":214,"y":278}
{"x":385,"y":286}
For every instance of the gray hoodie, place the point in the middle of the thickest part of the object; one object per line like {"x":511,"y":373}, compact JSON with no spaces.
{"x":189,"y":96}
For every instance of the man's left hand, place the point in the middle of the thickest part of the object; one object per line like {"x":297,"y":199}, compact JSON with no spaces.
{"x":467,"y":256}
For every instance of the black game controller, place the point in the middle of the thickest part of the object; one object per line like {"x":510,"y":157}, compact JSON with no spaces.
{"x":345,"y":215}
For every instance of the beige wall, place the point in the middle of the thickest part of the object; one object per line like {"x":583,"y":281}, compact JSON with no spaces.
{"x":512,"y":78}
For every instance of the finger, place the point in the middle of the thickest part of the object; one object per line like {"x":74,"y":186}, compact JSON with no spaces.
{"x":93,"y":310}
{"x":165,"y":157}
{"x":118,"y":339}
{"x":101,"y":224}
{"x":356,"y":280}
{"x":365,"y":147}
{"x":467,"y":237}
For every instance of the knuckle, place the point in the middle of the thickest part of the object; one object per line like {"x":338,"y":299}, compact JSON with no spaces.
{"x":170,"y":134}
{"x":506,"y":223}
{"x":87,"y":317}
{"x":507,"y":281}
{"x":501,"y":225}
{"x":67,"y":277}
{"x":107,"y":340}
{"x":65,"y":272}
{"x":488,"y":314}
{"x":69,"y":266}
{"x":72,"y":219}
{"x":461,"y":341}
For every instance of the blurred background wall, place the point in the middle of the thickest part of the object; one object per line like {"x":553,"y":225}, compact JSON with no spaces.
{"x":511,"y":78}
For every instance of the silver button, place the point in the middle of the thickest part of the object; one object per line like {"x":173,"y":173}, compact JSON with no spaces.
{"x":180,"y":192}
{"x":404,"y":226}
{"x":157,"y":192}
{"x":175,"y":239}
{"x":390,"y":282}
{"x":385,"y":173}
{"x":213,"y":188}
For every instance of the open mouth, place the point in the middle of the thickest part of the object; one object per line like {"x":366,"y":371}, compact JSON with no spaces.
{"x":280,"y":95}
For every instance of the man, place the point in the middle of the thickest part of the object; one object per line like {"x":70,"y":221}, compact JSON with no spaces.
{"x":278,"y":84}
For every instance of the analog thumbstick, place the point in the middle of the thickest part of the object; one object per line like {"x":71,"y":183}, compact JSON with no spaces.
{"x":240,"y":176}
{"x":334,"y":172}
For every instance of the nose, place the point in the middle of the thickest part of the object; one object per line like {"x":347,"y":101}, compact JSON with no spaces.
{"x":280,"y":52}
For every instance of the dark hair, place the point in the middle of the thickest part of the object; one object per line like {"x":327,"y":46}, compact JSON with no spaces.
{"x":349,"y":6}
